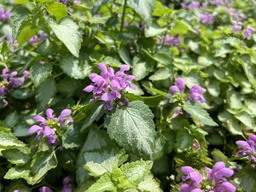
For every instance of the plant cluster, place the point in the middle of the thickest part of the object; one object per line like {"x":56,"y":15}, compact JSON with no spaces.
{"x":127,"y":95}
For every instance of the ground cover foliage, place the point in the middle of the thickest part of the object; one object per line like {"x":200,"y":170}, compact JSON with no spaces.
{"x":127,"y":95}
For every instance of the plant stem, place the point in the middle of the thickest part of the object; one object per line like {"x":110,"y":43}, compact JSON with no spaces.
{"x":123,"y":15}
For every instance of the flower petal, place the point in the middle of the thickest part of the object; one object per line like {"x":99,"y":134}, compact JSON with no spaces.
{"x":49,"y":113}
{"x":34,"y":128}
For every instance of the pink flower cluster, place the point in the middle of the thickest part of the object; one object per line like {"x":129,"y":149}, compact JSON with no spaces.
{"x":195,"y":93}
{"x":171,"y":41}
{"x":5,"y":15}
{"x":109,"y":86}
{"x":216,"y":179}
{"x":47,"y":127}
{"x":248,"y":148}
{"x":10,"y":82}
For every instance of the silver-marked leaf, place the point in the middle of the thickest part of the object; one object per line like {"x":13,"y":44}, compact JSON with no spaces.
{"x":136,"y":171}
{"x":68,"y":32}
{"x":40,"y":73}
{"x":8,"y":140}
{"x":198,"y":112}
{"x":100,"y":162}
{"x":144,"y":8}
{"x":75,"y":67}
{"x":132,"y":126}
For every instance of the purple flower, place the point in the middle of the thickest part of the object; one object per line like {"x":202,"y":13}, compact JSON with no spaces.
{"x":26,"y":74}
{"x":195,"y":178}
{"x":247,"y":148}
{"x":64,"y":118}
{"x":219,"y":172}
{"x":5,"y":15}
{"x":67,"y":185}
{"x":237,"y":26}
{"x":171,"y":41}
{"x":195,"y":94}
{"x":178,"y":87}
{"x":109,"y":85}
{"x":77,"y":2}
{"x":190,"y":173}
{"x":45,"y":189}
{"x":248,"y":32}
{"x":206,"y":18}
{"x":225,"y":186}
{"x":33,"y":39}
{"x":8,"y":15}
{"x":42,"y":37}
{"x":193,"y":5}
{"x":48,"y":125}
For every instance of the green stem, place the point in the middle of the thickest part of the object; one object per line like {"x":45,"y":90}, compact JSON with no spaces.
{"x":123,"y":15}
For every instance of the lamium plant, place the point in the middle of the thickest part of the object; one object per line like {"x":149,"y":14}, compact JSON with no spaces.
{"x":127,"y":95}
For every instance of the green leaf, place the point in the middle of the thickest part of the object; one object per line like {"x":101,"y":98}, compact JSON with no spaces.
{"x":100,"y":162}
{"x":22,"y":93}
{"x":136,"y":171}
{"x":45,"y":96}
{"x":184,"y":140}
{"x":35,"y":171}
{"x":150,"y":184}
{"x":219,"y":156}
{"x":77,"y":68}
{"x":20,"y":2}
{"x":154,"y":30}
{"x":19,"y":15}
{"x":161,"y":74}
{"x":17,"y":156}
{"x":46,"y":48}
{"x":19,"y":172}
{"x":234,"y":100}
{"x":141,"y":68}
{"x":42,"y":162}
{"x":8,"y":140}
{"x":196,"y":110}
{"x":68,"y":32}
{"x":246,"y":119}
{"x":27,"y":31}
{"x":68,"y":86}
{"x":144,"y":8}
{"x":151,"y":101}
{"x":96,"y":114}
{"x":247,"y":179}
{"x":163,"y":57}
{"x":180,"y":28}
{"x":72,"y":138}
{"x":251,"y":105}
{"x":11,"y":120}
{"x":132,"y":126}
{"x":124,"y":54}
{"x":193,"y":45}
{"x":21,"y":130}
{"x":104,"y":183}
{"x":59,"y":10}
{"x":97,"y":140}
{"x":40,"y":73}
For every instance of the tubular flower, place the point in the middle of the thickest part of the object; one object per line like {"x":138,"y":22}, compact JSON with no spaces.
{"x":248,"y":32}
{"x":178,"y":87}
{"x":10,"y":82}
{"x":195,"y":93}
{"x":214,"y":182}
{"x":248,"y":148}
{"x":172,"y":41}
{"x":48,"y":126}
{"x":108,"y":86}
